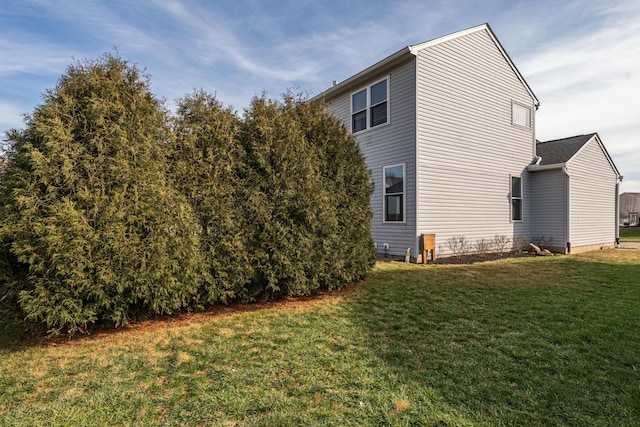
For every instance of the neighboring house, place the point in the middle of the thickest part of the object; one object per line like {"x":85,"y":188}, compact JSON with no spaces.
{"x":629,"y":209}
{"x":447,"y":128}
{"x":574,"y":195}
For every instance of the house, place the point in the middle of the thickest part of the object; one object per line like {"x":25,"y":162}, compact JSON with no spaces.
{"x":629,"y":209}
{"x":574,"y":193}
{"x":447,"y":128}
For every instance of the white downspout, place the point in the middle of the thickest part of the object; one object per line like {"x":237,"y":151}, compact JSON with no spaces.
{"x":418,"y":224}
{"x":567,"y":207}
{"x":618,"y":182}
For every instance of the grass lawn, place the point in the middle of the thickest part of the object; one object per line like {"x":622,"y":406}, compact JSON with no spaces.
{"x":631,"y":234}
{"x":529,"y":341}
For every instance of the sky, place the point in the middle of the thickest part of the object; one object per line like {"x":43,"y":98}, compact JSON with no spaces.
{"x":581,"y":58}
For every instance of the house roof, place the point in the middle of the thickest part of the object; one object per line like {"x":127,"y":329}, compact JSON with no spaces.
{"x":558,"y":152}
{"x":410,"y":52}
{"x":629,"y":194}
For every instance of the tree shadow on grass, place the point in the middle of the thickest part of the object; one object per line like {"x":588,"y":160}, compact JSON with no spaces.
{"x":11,"y":330}
{"x":541,"y":342}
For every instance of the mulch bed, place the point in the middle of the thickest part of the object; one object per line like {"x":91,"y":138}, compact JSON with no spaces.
{"x":474,"y":258}
{"x":465,"y":259}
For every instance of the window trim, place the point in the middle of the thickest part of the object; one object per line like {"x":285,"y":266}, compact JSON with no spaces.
{"x":529,"y":124}
{"x":368,"y":107}
{"x":404,"y":193}
{"x":512,"y":198}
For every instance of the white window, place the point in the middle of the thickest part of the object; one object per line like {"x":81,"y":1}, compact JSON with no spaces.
{"x":370,"y":106}
{"x":520,"y":115}
{"x":516,"y":198}
{"x":394,"y":190}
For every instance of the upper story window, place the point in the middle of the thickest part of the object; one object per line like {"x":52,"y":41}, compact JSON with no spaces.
{"x":516,"y":198}
{"x":520,"y":115}
{"x":370,"y":106}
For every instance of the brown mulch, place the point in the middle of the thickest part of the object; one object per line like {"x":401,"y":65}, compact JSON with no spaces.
{"x":464,"y":259}
{"x":474,"y":258}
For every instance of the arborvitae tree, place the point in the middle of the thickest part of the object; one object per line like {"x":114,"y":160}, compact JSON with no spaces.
{"x":206,"y":165}
{"x":351,"y":254}
{"x":90,"y":227}
{"x":304,"y":174}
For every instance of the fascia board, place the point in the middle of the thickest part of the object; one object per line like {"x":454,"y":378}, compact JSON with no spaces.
{"x":537,"y":168}
{"x":595,"y":137}
{"x":403,"y":53}
{"x":484,"y":27}
{"x":357,"y":79}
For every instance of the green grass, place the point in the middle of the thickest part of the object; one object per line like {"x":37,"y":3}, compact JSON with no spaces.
{"x":532,"y":341}
{"x":630,"y":234}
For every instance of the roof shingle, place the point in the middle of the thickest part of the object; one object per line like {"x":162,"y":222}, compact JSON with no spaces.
{"x":560,"y":150}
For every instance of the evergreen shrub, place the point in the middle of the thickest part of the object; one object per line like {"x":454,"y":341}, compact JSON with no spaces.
{"x":112,"y":209}
{"x":307,"y":198}
{"x":207,"y":168}
{"x":95,"y":230}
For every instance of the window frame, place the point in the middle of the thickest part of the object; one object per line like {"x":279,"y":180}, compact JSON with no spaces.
{"x":403,"y":194}
{"x":369,"y":107}
{"x":513,"y":198}
{"x":529,"y":121}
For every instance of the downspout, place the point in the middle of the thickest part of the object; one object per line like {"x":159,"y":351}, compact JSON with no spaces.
{"x":618,"y":182}
{"x":567,"y":209}
{"x":532,"y":176}
{"x":416,"y":174}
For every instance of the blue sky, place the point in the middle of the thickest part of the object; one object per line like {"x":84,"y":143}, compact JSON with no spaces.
{"x":581,"y":58}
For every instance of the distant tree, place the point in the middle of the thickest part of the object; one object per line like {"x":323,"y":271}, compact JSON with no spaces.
{"x":206,"y":165}
{"x":307,"y":198}
{"x":90,"y":228}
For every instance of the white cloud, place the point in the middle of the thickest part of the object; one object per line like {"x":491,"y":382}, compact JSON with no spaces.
{"x":581,"y":57}
{"x":96,"y":20}
{"x":11,"y":117}
{"x":31,"y":58}
{"x":591,"y":84}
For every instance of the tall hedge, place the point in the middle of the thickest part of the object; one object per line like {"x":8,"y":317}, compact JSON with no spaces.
{"x":111,"y":208}
{"x":345,"y":175}
{"x":94,"y":228}
{"x":206,"y":165}
{"x":307,"y":198}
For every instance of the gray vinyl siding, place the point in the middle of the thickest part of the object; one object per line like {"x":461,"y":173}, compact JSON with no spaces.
{"x":467,"y":147}
{"x":389,"y":144}
{"x":549,"y":203}
{"x":592,"y":197}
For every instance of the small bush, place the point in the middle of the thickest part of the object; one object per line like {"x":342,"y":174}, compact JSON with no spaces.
{"x":459,"y":245}
{"x":482,"y":246}
{"x":500,"y":242}
{"x":543,"y":242}
{"x":520,"y":243}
